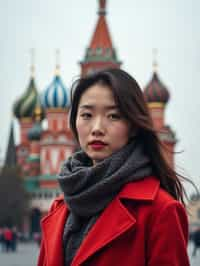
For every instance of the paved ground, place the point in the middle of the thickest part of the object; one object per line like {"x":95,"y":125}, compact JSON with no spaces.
{"x":194,"y":261}
{"x":27,"y":256}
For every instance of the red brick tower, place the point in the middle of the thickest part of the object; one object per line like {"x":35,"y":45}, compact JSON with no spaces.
{"x":100,"y":53}
{"x":157,"y":96}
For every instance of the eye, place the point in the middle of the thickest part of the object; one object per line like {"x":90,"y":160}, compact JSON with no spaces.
{"x":86,"y":116}
{"x":114,"y":116}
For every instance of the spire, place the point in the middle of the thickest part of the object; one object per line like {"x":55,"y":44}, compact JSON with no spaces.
{"x":155,"y":63}
{"x":100,"y":52}
{"x":101,"y":38}
{"x":57,"y":71}
{"x":11,"y":158}
{"x":102,"y":7}
{"x":32,"y":67}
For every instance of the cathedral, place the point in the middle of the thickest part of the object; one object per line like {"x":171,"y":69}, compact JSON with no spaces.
{"x":41,"y":151}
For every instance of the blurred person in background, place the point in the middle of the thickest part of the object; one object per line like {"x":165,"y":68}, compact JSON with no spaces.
{"x":8,"y":238}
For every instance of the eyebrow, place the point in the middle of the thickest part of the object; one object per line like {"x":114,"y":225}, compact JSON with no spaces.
{"x":108,"y":107}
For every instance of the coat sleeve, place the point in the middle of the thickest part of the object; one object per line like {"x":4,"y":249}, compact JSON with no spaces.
{"x":167,"y":244}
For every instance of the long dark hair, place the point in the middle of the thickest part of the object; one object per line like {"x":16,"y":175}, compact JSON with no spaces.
{"x":129,"y":97}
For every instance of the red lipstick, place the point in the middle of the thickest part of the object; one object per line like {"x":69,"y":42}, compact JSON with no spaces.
{"x":97,"y":145}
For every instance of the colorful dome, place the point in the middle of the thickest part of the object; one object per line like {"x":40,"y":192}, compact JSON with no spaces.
{"x":35,"y":132}
{"x":24,"y":106}
{"x":155,"y":91}
{"x":55,"y":96}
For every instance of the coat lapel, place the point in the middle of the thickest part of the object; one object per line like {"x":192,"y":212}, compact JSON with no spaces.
{"x":113,"y":222}
{"x":116,"y":219}
{"x":52,"y":226}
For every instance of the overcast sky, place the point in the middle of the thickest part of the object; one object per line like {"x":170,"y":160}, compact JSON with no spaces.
{"x":136,"y":26}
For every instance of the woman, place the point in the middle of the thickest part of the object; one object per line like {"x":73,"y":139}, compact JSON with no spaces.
{"x":122,"y":204}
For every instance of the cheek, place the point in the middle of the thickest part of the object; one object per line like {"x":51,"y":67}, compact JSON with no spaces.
{"x":121,"y":132}
{"x":82,"y":130}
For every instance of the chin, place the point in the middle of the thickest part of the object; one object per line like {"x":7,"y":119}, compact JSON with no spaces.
{"x":97,"y":155}
{"x":98,"y":158}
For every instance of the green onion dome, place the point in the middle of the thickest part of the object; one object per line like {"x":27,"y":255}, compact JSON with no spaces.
{"x":155,"y":91}
{"x":25,"y":105}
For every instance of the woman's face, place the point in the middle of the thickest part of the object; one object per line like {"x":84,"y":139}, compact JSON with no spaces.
{"x":100,"y":126}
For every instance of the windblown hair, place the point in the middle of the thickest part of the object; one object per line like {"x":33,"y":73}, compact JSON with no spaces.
{"x":133,"y":107}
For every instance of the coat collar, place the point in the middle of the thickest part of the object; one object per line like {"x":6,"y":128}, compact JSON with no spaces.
{"x":116,"y":213}
{"x":144,"y":189}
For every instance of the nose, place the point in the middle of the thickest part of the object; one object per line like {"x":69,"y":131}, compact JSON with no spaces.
{"x":98,"y":127}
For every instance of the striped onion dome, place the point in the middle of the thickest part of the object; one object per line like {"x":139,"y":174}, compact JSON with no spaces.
{"x":55,"y":96}
{"x":155,"y":91}
{"x":25,"y":105}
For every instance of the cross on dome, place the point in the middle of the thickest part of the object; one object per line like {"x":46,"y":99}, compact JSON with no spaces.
{"x":57,"y":62}
{"x":155,"y":63}
{"x":32,"y":67}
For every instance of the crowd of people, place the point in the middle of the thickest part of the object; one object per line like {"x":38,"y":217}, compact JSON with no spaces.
{"x":8,"y":239}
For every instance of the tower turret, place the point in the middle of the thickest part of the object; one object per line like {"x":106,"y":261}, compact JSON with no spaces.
{"x":24,"y":107}
{"x":34,"y":136}
{"x":23,"y":110}
{"x":57,"y":141}
{"x":157,"y":96}
{"x":100,"y":52}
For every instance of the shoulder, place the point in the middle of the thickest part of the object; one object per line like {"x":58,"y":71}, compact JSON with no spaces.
{"x":166,"y":206}
{"x":148,"y":195}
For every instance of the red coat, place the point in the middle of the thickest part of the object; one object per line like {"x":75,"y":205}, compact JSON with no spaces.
{"x":142,"y":226}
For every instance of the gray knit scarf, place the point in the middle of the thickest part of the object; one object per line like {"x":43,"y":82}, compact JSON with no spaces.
{"x":88,"y":188}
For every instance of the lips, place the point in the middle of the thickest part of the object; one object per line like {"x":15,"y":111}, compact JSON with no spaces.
{"x":97,"y":144}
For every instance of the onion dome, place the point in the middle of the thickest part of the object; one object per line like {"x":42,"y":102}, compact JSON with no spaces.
{"x":155,"y":91}
{"x":25,"y":105}
{"x":35,"y":132}
{"x":55,"y":96}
